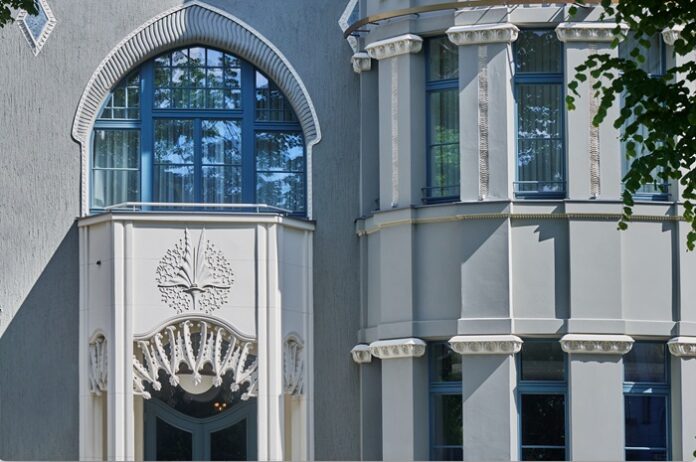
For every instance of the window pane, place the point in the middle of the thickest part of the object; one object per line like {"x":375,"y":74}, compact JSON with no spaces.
{"x":173,"y":141}
{"x":444,"y":171}
{"x":115,"y":164}
{"x":279,"y":151}
{"x":222,"y":185}
{"x":646,"y":454}
{"x":538,"y":51}
{"x":652,"y":54}
{"x":543,"y":454}
{"x":448,"y":453}
{"x":542,"y":361}
{"x":112,"y":187}
{"x":444,"y":144}
{"x":447,"y":418}
{"x":222,"y":142}
{"x":174,"y":183}
{"x":645,"y":363}
{"x":124,"y":100}
{"x":284,"y":190}
{"x":646,"y":421}
{"x":229,"y":443}
{"x":271,"y":104}
{"x":543,"y":420}
{"x":445,"y":363}
{"x":173,"y":443}
{"x":116,"y":148}
{"x":444,"y":117}
{"x":443,"y":59}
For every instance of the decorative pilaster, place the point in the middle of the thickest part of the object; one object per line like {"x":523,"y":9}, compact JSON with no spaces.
{"x":672,"y":34}
{"x":361,"y":62}
{"x":588,"y":31}
{"x":596,"y":344}
{"x":399,"y":348}
{"x":483,"y":34}
{"x":395,"y":46}
{"x":361,"y":354}
{"x":683,"y":347}
{"x":98,"y":365}
{"x":486,"y":344}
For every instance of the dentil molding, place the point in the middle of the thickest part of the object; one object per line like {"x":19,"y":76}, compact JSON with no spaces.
{"x":361,"y":62}
{"x":395,"y":46}
{"x":361,"y":354}
{"x":486,"y":344}
{"x":483,"y":34}
{"x":671,"y":35}
{"x":398,"y":348}
{"x":588,"y":31}
{"x":596,"y":344}
{"x":683,"y":347}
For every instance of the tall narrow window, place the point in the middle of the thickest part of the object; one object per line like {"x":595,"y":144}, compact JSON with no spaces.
{"x":442,"y":120}
{"x":646,"y":397}
{"x":540,"y":108}
{"x":446,"y":438}
{"x":654,"y":66}
{"x":542,"y":391}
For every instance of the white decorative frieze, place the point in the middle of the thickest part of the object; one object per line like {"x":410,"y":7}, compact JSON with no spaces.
{"x":98,"y":365}
{"x":194,"y":278}
{"x":361,"y":62}
{"x":395,"y":46}
{"x":672,"y":34}
{"x":195,"y":344}
{"x":683,"y":347}
{"x":361,"y":354}
{"x":398,"y":348}
{"x":486,"y":344}
{"x":293,"y":366}
{"x":482,"y":34}
{"x":596,"y":344}
{"x":588,"y":31}
{"x":37,"y":28}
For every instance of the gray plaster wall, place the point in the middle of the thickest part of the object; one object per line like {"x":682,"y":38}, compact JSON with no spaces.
{"x":39,"y":201}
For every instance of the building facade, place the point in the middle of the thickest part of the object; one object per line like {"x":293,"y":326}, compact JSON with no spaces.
{"x":331,"y":230}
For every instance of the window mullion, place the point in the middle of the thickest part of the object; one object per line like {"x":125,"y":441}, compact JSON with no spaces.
{"x":197,"y":161}
{"x":248,"y":135}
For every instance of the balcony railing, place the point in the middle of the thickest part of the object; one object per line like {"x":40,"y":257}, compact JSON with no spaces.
{"x":197,"y":207}
{"x":540,"y":189}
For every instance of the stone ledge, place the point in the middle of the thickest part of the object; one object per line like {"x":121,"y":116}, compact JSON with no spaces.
{"x":395,"y":46}
{"x":682,"y":347}
{"x":483,"y":34}
{"x":486,"y":344}
{"x":587,"y":31}
{"x":361,"y":353}
{"x":398,"y":348}
{"x":596,"y":344}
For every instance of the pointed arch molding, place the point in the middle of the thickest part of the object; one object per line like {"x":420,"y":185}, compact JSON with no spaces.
{"x":200,"y":23}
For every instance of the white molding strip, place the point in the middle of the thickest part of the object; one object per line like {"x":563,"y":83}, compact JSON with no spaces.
{"x":596,"y":344}
{"x":483,"y":34}
{"x":486,"y":344}
{"x":395,"y":46}
{"x":587,"y":31}
{"x":483,"y":121}
{"x":398,"y":348}
{"x":37,"y":43}
{"x":361,"y":354}
{"x":682,"y":347}
{"x":595,"y":176}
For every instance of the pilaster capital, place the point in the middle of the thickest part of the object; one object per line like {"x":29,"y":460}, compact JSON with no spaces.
{"x":596,"y":344}
{"x":398,"y":348}
{"x":588,"y":31}
{"x":361,"y":353}
{"x":481,"y":34}
{"x":683,"y":347}
{"x":672,"y":34}
{"x":361,"y":62}
{"x":395,"y":46}
{"x":486,"y":344}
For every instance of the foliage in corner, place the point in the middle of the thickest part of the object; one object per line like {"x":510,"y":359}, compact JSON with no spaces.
{"x":658,"y":114}
{"x":7,"y":6}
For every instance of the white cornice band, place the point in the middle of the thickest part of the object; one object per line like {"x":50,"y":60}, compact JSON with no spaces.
{"x":486,"y":344}
{"x":483,"y":34}
{"x":361,"y":62}
{"x":672,"y":34}
{"x":361,"y":354}
{"x":683,"y":347}
{"x":395,"y":46}
{"x":398,"y":348}
{"x":596,"y":344}
{"x":588,"y":31}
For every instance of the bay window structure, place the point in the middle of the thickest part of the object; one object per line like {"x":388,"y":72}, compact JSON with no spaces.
{"x":446,"y":441}
{"x":198,"y":126}
{"x":542,"y":390}
{"x":646,"y":398}
{"x":538,"y":56}
{"x":442,"y":84}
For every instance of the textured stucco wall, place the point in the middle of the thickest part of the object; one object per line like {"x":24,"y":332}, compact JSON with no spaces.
{"x":39,"y":200}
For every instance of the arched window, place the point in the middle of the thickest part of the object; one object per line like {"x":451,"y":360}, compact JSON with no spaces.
{"x":198,"y":126}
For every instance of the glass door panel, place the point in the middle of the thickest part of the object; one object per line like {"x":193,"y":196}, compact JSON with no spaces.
{"x":229,"y":443}
{"x":172,"y":443}
{"x":174,"y":161}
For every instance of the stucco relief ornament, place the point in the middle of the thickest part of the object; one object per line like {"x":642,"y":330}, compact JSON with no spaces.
{"x":194,"y":278}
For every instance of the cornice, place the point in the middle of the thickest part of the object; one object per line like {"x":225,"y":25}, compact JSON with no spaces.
{"x":596,"y":344}
{"x":398,"y":348}
{"x":483,"y":34}
{"x":361,"y":62}
{"x":486,"y":344}
{"x":587,"y":31}
{"x":395,"y":46}
{"x":672,"y":34}
{"x":361,"y":353}
{"x":683,"y":347}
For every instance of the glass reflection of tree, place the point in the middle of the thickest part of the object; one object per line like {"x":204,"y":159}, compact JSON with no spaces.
{"x":445,"y":159}
{"x":280,"y":169}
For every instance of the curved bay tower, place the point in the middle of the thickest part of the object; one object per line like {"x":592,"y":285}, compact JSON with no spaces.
{"x":342,"y":230}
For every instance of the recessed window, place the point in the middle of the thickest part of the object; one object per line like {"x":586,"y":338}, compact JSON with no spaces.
{"x":446,"y":437}
{"x":201,"y":128}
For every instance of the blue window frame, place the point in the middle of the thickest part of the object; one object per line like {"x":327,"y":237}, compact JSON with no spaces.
{"x":442,"y":99}
{"x":542,"y":400}
{"x":198,"y":126}
{"x":446,"y":437}
{"x":647,"y":402}
{"x":654,"y":66}
{"x":538,"y":56}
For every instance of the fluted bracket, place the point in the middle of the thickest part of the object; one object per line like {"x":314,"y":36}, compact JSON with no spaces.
{"x":395,"y":46}
{"x":361,"y":62}
{"x":588,"y":31}
{"x":361,"y":354}
{"x":596,"y":344}
{"x":672,"y":34}
{"x":483,"y":34}
{"x":399,"y":348}
{"x":486,"y":344}
{"x":683,"y":347}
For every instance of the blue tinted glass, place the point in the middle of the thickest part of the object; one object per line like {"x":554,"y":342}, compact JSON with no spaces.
{"x":447,"y":416}
{"x":538,"y":51}
{"x":646,"y":454}
{"x":645,"y":363}
{"x":446,"y":364}
{"x":543,"y":420}
{"x":542,"y":361}
{"x":36,"y":24}
{"x":443,"y":59}
{"x":646,"y":421}
{"x":543,"y":454}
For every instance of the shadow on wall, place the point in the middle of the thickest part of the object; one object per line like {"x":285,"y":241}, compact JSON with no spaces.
{"x":39,"y":365}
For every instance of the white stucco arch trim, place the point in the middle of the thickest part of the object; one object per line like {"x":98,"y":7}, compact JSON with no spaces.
{"x":193,"y":22}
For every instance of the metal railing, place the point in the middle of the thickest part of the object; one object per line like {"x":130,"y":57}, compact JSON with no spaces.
{"x":194,"y":206}
{"x":433,"y":194}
